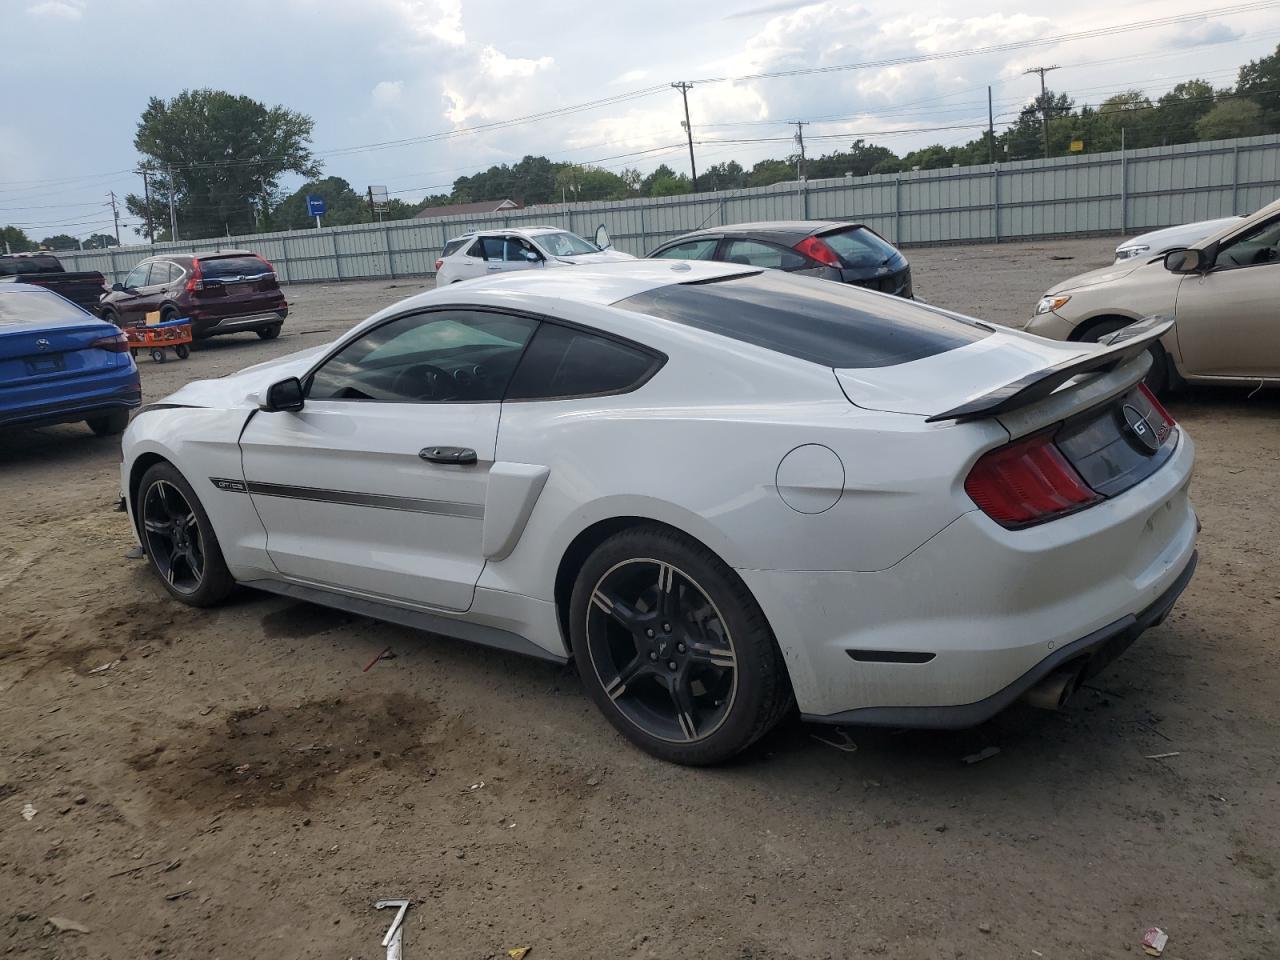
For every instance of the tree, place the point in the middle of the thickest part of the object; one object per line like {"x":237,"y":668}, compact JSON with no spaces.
{"x":722,"y":176}
{"x":14,"y":240}
{"x":859,"y":160}
{"x":664,"y":182}
{"x":590,"y":183}
{"x":1231,"y":118}
{"x":1178,"y":111}
{"x":227,"y":154}
{"x":100,"y":241}
{"x":1259,"y":80}
{"x":60,"y":241}
{"x":342,"y":206}
{"x":633,"y":178}
{"x":767,"y":172}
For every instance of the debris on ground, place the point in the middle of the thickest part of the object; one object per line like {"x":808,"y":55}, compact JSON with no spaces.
{"x":984,"y":927}
{"x":518,"y":953}
{"x":837,"y":738}
{"x":106,"y":666}
{"x":28,"y":812}
{"x":478,"y":785}
{"x":134,"y":554}
{"x":986,"y":753}
{"x":387,"y":654}
{"x":1153,"y":941}
{"x":1163,"y":756}
{"x":68,"y":926}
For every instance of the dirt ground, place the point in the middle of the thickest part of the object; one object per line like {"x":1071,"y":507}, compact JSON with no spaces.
{"x":232,"y":784}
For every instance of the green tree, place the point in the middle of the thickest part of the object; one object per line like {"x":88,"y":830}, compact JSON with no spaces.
{"x":1179,"y":110}
{"x":859,"y":160}
{"x":100,"y":241}
{"x":1259,"y":80}
{"x":590,"y":183}
{"x":767,"y":172}
{"x":1231,"y":118}
{"x":227,"y":154}
{"x":14,"y":240}
{"x":722,"y":176}
{"x":342,"y":206}
{"x":60,"y":241}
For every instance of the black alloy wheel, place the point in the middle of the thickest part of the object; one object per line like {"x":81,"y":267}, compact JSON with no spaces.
{"x":178,"y":538}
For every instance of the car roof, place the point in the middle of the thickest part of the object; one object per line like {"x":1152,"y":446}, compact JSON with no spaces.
{"x":493,"y":231}
{"x":797,"y":229}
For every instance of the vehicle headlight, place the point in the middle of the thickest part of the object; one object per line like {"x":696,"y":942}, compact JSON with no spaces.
{"x":1128,"y":253}
{"x":1051,"y":302}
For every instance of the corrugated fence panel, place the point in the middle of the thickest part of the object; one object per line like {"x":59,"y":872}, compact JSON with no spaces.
{"x":1064,"y":196}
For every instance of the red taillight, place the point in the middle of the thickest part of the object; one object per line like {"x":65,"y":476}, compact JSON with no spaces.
{"x":815,"y":249}
{"x":1027,"y":482}
{"x":116,"y":343}
{"x":439,"y":263}
{"x":1162,"y":430}
{"x":194,"y":282}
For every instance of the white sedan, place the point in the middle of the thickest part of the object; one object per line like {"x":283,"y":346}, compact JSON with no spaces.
{"x":722,"y":491}
{"x":483,"y":253}
{"x":1161,"y":241}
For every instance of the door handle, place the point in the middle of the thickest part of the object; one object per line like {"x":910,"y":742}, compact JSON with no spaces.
{"x":495,"y":267}
{"x":462,"y":456}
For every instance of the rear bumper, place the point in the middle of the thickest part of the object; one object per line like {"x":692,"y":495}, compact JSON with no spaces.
{"x":202,"y":327}
{"x":976,"y":609}
{"x":70,"y":410}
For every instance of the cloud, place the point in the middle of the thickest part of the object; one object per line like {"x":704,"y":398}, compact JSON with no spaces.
{"x":631,"y":76}
{"x":61,"y":9}
{"x":1203,"y":32}
{"x":387,"y":92}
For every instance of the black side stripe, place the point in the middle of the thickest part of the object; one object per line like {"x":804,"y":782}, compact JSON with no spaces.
{"x":378,"y":501}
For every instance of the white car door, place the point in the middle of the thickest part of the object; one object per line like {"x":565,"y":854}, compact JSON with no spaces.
{"x":1228,"y":324}
{"x":377,"y":485}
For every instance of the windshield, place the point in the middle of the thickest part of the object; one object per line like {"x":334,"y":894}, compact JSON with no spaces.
{"x":565,"y":244}
{"x":859,"y":247}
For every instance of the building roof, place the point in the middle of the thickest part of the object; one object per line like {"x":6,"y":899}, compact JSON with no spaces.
{"x":482,"y":206}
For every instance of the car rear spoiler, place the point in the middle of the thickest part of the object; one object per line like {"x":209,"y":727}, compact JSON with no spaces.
{"x":1121,"y":347}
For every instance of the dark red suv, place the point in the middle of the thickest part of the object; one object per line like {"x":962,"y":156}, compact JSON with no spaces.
{"x":226,"y":292}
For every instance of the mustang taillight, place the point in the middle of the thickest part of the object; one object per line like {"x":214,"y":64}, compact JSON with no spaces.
{"x":1027,"y":482}
{"x":116,"y":343}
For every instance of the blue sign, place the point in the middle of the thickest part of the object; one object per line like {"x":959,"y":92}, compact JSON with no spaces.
{"x":315,"y":205}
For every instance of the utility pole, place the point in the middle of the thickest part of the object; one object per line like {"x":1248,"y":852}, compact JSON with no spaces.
{"x":115,"y":215}
{"x":800,"y":165}
{"x":1044,"y":104}
{"x":370,"y":196}
{"x":173,"y":213}
{"x":684,"y":87}
{"x":991,"y":131}
{"x":146,"y":194}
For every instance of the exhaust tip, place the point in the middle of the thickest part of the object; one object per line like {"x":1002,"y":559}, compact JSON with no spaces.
{"x":1053,"y":692}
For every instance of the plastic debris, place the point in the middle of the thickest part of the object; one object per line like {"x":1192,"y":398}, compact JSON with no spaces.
{"x":986,"y":753}
{"x":839,"y":739}
{"x":387,"y":654}
{"x":478,"y":785}
{"x":104,"y":668}
{"x":1163,"y":756}
{"x":28,"y":812}
{"x":1153,"y":941}
{"x":68,"y":926}
{"x":518,"y":953}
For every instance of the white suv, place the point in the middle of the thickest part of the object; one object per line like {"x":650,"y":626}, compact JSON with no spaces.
{"x":484,"y":252}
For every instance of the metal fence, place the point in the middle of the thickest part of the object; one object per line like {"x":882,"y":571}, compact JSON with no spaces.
{"x":1104,"y":193}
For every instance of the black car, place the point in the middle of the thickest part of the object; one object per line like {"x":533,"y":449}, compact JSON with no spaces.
{"x":845,"y":252}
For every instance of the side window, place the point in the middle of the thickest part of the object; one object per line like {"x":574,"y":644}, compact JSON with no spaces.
{"x":452,"y":246}
{"x":161,"y":273}
{"x":492,"y":247}
{"x":521,"y":251}
{"x":476,"y":250}
{"x":563,"y":362}
{"x":448,"y":356}
{"x":689,"y":250}
{"x":759,"y":254}
{"x":1258,"y":245}
{"x":137,"y":276}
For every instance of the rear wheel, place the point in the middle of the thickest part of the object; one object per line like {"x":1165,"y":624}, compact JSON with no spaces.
{"x":179,"y":539}
{"x":109,"y":424}
{"x":673,"y":648}
{"x":182,"y":350}
{"x":271,"y":332}
{"x":110,"y":316}
{"x":1157,"y":378}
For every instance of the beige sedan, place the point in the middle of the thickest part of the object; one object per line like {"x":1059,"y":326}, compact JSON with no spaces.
{"x":1222,"y":291}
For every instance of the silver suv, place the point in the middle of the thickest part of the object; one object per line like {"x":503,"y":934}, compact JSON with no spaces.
{"x":485,"y":252}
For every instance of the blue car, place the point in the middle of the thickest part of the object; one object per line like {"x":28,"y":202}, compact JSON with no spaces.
{"x":61,"y":364}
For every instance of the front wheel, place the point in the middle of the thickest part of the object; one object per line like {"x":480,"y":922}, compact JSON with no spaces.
{"x":179,"y":540}
{"x":673,"y":648}
{"x":270,"y":333}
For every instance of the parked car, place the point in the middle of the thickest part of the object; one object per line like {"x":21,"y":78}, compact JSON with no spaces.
{"x":716,"y":488}
{"x":60,"y":364}
{"x":484,"y":252}
{"x":227,"y":292}
{"x":844,"y":252}
{"x":1157,"y":242}
{"x":1221,"y":291}
{"x":84,"y":288}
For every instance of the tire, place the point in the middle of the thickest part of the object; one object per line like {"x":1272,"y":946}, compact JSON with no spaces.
{"x":157,"y":354}
{"x":709,"y":682}
{"x":182,"y":350}
{"x":109,"y":424}
{"x":1157,"y":379}
{"x":186,"y":558}
{"x":271,"y":332}
{"x":110,"y":316}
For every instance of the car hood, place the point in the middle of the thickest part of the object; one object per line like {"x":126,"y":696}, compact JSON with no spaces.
{"x":946,"y":380}
{"x":1107,"y":274}
{"x":241,"y":389}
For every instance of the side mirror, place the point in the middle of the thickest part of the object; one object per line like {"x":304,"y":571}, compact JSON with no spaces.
{"x":602,"y":238}
{"x":117,"y":288}
{"x":285,"y":395}
{"x":530,"y":256}
{"x":1186,"y":261}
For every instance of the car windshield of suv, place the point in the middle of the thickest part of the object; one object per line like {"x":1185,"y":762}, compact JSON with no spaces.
{"x":859,"y":247}
{"x":229,"y":268}
{"x":565,"y":244}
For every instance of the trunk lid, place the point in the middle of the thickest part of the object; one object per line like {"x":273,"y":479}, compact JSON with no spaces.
{"x":43,"y":338}
{"x":235,"y":285}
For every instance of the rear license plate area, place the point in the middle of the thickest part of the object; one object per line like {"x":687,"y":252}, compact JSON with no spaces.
{"x":39,"y":365}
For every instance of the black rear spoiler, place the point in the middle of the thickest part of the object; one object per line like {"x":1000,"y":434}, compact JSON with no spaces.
{"x":1121,"y":347}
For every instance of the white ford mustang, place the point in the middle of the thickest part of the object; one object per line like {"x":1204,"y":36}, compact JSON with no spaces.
{"x":721,"y":491}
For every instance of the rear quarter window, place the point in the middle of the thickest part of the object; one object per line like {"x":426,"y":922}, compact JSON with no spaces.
{"x":827,"y":323}
{"x":564,"y":362}
{"x":453,"y":246}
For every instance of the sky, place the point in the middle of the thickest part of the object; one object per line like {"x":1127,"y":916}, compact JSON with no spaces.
{"x":383,"y":79}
